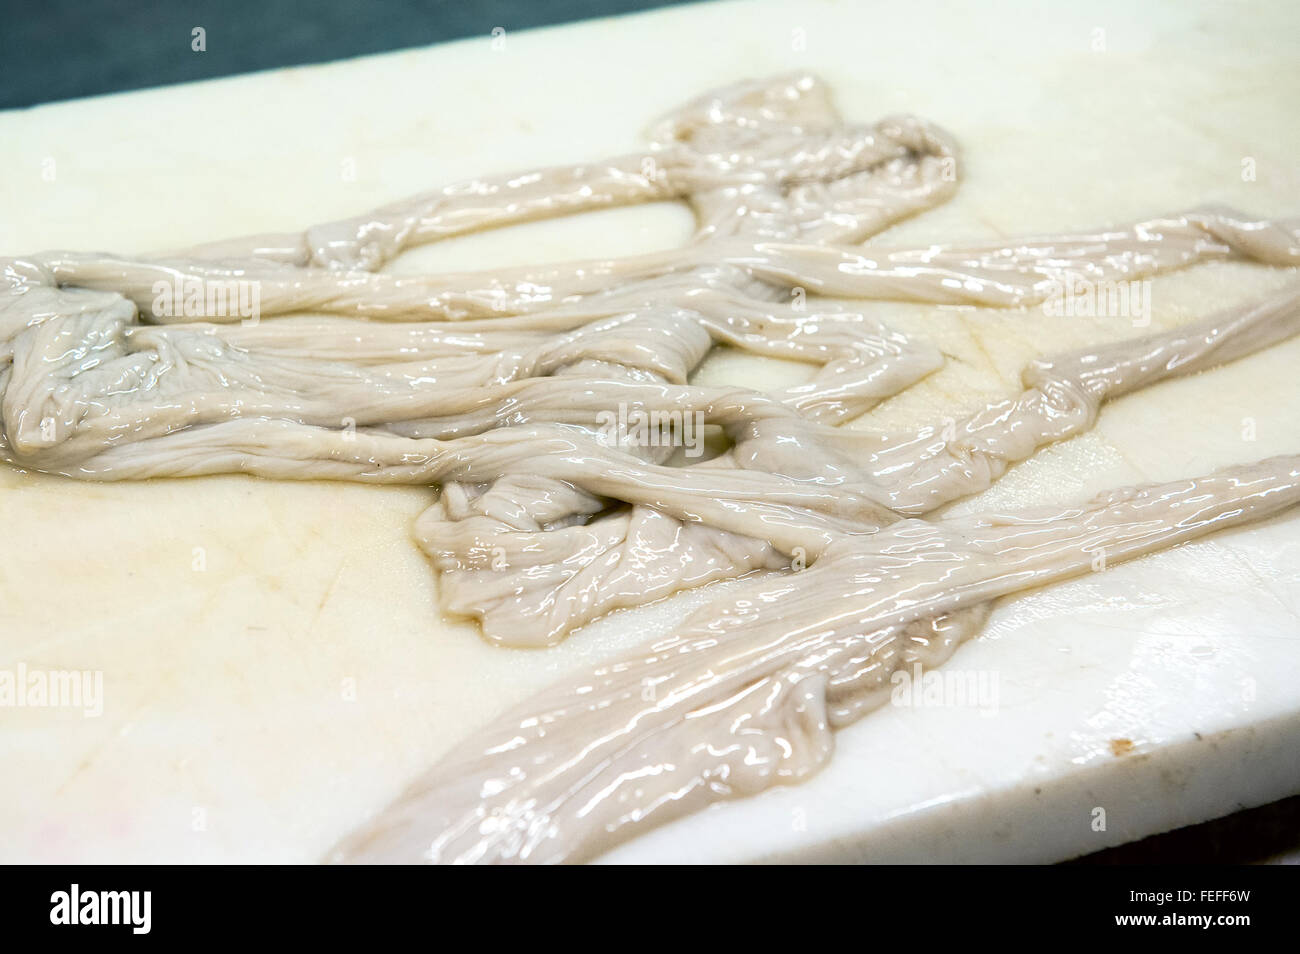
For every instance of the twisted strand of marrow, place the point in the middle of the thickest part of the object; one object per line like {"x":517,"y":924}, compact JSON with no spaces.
{"x":1025,"y":271}
{"x":747,"y":692}
{"x":922,"y":471}
{"x":1015,"y":273}
{"x":770,"y":156}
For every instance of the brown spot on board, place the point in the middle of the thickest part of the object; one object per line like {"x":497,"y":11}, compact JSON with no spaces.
{"x":1121,"y":746}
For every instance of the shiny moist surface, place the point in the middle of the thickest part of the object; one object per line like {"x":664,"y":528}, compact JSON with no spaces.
{"x":494,"y":386}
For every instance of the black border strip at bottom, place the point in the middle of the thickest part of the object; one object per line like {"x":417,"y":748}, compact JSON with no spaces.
{"x":336,"y":905}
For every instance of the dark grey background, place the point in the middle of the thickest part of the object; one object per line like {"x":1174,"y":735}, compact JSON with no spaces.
{"x":63,"y":49}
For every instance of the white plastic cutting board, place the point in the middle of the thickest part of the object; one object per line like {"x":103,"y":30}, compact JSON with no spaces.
{"x":261,"y":707}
